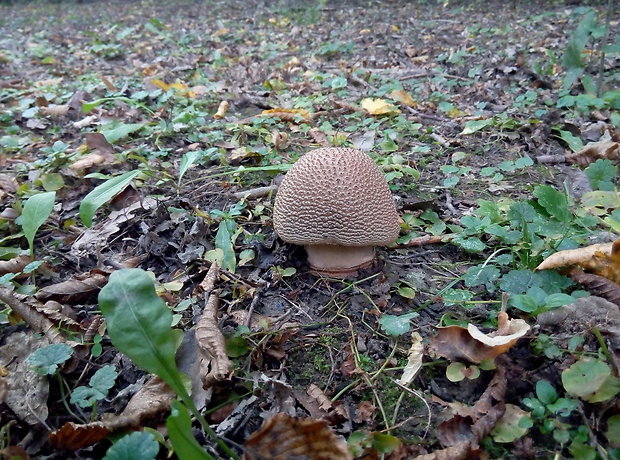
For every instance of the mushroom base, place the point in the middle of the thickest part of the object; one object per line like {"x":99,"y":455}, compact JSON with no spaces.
{"x":339,"y":261}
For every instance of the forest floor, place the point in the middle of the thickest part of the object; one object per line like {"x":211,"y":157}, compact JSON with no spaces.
{"x":141,"y":134}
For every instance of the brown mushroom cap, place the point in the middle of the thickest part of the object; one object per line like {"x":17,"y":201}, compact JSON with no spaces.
{"x":339,"y":197}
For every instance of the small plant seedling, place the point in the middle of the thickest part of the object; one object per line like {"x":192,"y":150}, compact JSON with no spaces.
{"x":36,"y":211}
{"x":97,"y":389}
{"x":46,"y":360}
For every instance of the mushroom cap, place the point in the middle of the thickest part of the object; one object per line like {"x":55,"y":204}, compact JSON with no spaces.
{"x":335,"y":196}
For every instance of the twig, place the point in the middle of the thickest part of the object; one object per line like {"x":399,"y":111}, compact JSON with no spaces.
{"x":427,"y":239}
{"x":551,"y":159}
{"x":257,"y":192}
{"x":449,"y":204}
{"x":601,"y":64}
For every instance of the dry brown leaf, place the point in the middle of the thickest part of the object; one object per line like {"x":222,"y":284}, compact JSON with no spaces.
{"x":598,"y":285}
{"x":54,"y":110}
{"x":27,"y":391}
{"x":574,"y":256}
{"x":216,"y":366}
{"x":594,"y":151}
{"x":319,"y":137}
{"x":414,"y":359}
{"x":290,"y":115}
{"x":14,"y":265}
{"x":456,"y":343}
{"x":103,"y":153}
{"x":221,"y":110}
{"x":378,"y":107}
{"x":283,"y":437}
{"x":74,"y":290}
{"x":154,"y":398}
{"x":403,"y":97}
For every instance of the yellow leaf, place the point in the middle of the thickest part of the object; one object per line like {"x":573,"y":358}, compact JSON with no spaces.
{"x":403,"y":97}
{"x":160,"y":84}
{"x":286,"y":114}
{"x":378,"y":106}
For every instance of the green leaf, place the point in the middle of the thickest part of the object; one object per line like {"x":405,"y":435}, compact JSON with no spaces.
{"x":524,"y":162}
{"x":135,"y":446}
{"x":601,"y":174}
{"x":613,"y":428}
{"x":585,"y":377}
{"x":479,"y":275}
{"x":574,"y":142}
{"x":554,"y":202}
{"x":396,"y":325}
{"x":100,"y":383}
{"x":237,"y":346}
{"x":455,"y":372}
{"x":45,"y":360}
{"x":102,"y":194}
{"x":406,"y":292}
{"x":545,"y":392}
{"x":471,"y":244}
{"x":558,"y":300}
{"x":36,"y":211}
{"x":476,"y":125}
{"x":509,"y":427}
{"x":385,"y":443}
{"x":524,"y":302}
{"x":188,"y":159}
{"x":183,"y":442}
{"x":120,"y":131}
{"x":456,"y":296}
{"x":223,"y":241}
{"x":52,"y":182}
{"x":139,"y":325}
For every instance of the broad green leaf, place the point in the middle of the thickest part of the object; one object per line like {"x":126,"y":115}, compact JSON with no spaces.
{"x":396,"y":325}
{"x":524,"y":162}
{"x":120,"y":131}
{"x":36,"y":211}
{"x":102,"y":194}
{"x":609,"y":389}
{"x":470,"y":244}
{"x":557,"y":300}
{"x":223,"y":241}
{"x":45,"y":360}
{"x":237,"y":346}
{"x":545,"y":392}
{"x":601,"y":174}
{"x":585,"y":377}
{"x":188,"y":159}
{"x":135,"y":446}
{"x":554,"y":202}
{"x":476,"y":125}
{"x":524,"y":302}
{"x":613,"y":428}
{"x":52,"y":182}
{"x":455,"y":372}
{"x":179,"y":426}
{"x":406,"y":292}
{"x":456,"y":296}
{"x":574,"y":142}
{"x":385,"y":443}
{"x":139,"y":325}
{"x":100,"y":383}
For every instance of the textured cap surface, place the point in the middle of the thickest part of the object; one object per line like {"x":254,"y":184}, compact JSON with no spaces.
{"x":335,"y":196}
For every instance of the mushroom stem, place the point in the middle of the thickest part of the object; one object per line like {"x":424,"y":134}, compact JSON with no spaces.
{"x":332,"y":259}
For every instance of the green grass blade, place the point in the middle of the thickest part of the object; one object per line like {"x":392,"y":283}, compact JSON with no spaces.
{"x":102,"y":194}
{"x":36,"y":211}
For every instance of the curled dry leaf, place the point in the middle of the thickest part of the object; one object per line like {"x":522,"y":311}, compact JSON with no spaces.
{"x":216,"y":365}
{"x":74,"y":290}
{"x":598,"y":285}
{"x":457,"y":343}
{"x":290,"y":115}
{"x":403,"y":97}
{"x":602,"y":259}
{"x":54,"y":110}
{"x":283,"y":437}
{"x":14,"y":265}
{"x":414,"y":359}
{"x":221,"y":110}
{"x":154,"y":398}
{"x":103,"y":153}
{"x":378,"y":107}
{"x":594,"y":151}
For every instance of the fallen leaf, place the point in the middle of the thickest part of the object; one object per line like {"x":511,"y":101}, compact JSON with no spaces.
{"x":14,"y":265}
{"x":507,"y":428}
{"x":103,"y":153}
{"x":600,"y":259}
{"x":27,"y":391}
{"x":456,"y":343}
{"x":598,"y":285}
{"x":153,"y":399}
{"x":378,"y":107}
{"x":54,"y":110}
{"x":595,"y":150}
{"x":414,"y":359}
{"x":290,"y":115}
{"x":211,"y":342}
{"x":221,"y":110}
{"x":74,"y":290}
{"x":283,"y":437}
{"x":403,"y":97}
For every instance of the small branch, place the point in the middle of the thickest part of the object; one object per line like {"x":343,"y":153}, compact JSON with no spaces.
{"x":427,"y":239}
{"x":257,"y":192}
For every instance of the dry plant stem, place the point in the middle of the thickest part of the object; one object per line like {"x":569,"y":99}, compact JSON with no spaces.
{"x":427,"y":239}
{"x":419,"y":396}
{"x":37,"y":321}
{"x":603,"y":43}
{"x":257,"y":192}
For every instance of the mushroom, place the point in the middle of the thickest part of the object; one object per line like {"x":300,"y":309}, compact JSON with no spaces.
{"x":336,"y":203}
